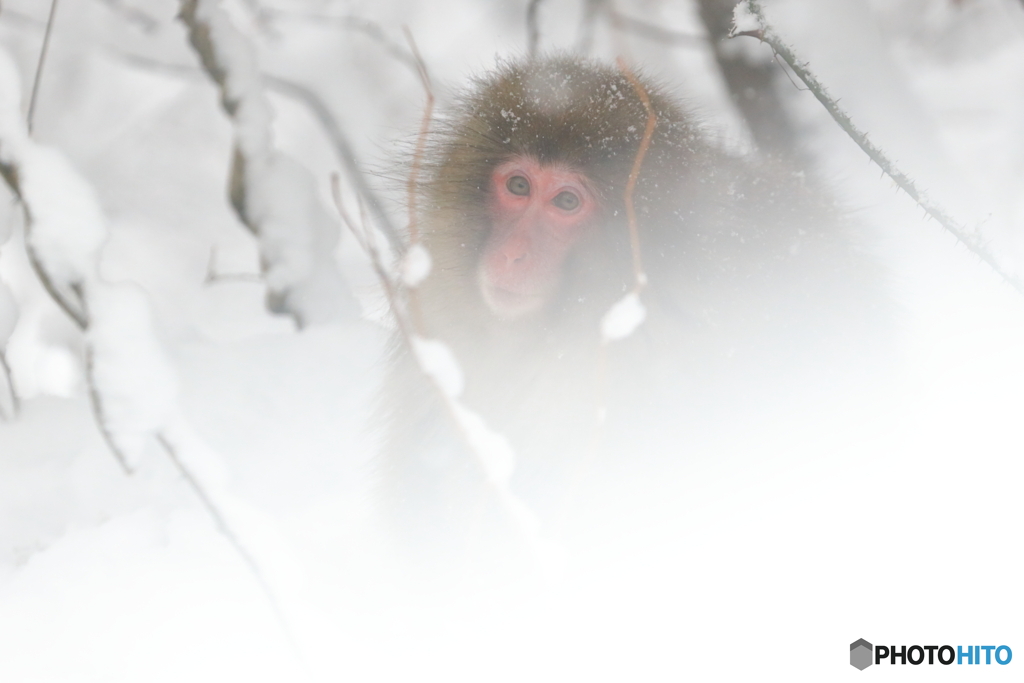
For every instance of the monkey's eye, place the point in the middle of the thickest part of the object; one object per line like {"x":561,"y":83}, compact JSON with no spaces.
{"x":518,"y":185}
{"x":566,"y":201}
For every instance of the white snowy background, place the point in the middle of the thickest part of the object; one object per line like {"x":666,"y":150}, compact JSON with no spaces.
{"x":907,"y":532}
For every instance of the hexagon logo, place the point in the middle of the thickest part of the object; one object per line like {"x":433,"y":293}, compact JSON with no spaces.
{"x":860,"y":654}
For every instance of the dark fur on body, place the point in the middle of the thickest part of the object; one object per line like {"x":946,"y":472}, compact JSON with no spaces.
{"x":754,"y":281}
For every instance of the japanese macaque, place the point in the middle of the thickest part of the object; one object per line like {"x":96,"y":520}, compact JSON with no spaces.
{"x":755,"y":291}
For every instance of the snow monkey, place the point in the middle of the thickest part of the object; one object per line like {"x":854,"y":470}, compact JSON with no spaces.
{"x":755,"y":289}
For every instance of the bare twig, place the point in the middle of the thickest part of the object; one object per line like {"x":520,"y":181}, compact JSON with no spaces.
{"x":227,"y":532}
{"x":9,"y":376}
{"x":368,"y":28}
{"x":21,"y":18}
{"x":75,"y":309}
{"x":631,"y":301}
{"x":751,"y":84}
{"x":622,"y":23}
{"x":588,"y":22}
{"x":972,"y":241}
{"x":409,"y":250}
{"x":133,"y":15}
{"x":618,"y":29}
{"x":634,"y":174}
{"x":520,"y":515}
{"x":533,"y":27}
{"x":96,"y":402}
{"x":339,"y":141}
{"x":78,"y":313}
{"x":653,"y":32}
{"x":212,"y":276}
{"x":343,"y":150}
{"x":421,"y":140}
{"x":39,"y":66}
{"x":207,"y":502}
{"x":366,"y":242}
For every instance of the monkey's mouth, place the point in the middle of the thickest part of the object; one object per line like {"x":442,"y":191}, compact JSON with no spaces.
{"x":508,"y":305}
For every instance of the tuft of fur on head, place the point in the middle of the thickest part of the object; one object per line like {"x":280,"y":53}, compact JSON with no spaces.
{"x":555,"y":109}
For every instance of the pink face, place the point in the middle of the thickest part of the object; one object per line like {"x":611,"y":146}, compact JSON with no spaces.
{"x":537,"y":214}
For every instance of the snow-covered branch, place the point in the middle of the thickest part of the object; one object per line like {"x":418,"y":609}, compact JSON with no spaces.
{"x":329,"y":123}
{"x":435,"y":359}
{"x":273,"y":194}
{"x":132,"y":382}
{"x":749,"y":20}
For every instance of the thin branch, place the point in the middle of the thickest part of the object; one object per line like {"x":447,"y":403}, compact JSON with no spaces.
{"x":421,"y":140}
{"x":634,"y":174}
{"x":226,"y":531}
{"x":9,"y":376}
{"x":533,"y":28}
{"x":588,"y":21}
{"x":370,"y":29}
{"x":75,"y":312}
{"x":343,"y":150}
{"x":751,"y":84}
{"x":653,"y":32}
{"x":80,"y":316}
{"x":96,"y":402}
{"x":339,"y":141}
{"x":631,"y":302}
{"x":618,"y":29}
{"x":39,"y":66}
{"x":11,"y":173}
{"x":212,"y":276}
{"x":970,"y":240}
{"x":522,"y":517}
{"x":366,"y":242}
{"x":133,"y":15}
{"x":22,"y":18}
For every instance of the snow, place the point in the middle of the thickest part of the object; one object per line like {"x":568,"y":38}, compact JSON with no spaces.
{"x":298,"y":238}
{"x":416,"y":265}
{"x":278,"y":196}
{"x":494,"y":451}
{"x":135,"y":381}
{"x":743,"y":19}
{"x":440,"y":364}
{"x":623,"y":318}
{"x":68,"y":228}
{"x":111,"y":577}
{"x":243,"y":83}
{"x":491,"y":449}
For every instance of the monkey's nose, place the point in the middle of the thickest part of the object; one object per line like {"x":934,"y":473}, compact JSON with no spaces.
{"x":515,"y":250}
{"x":514,"y":258}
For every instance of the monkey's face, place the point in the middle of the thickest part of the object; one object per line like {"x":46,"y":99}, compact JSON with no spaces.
{"x":537,"y":214}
